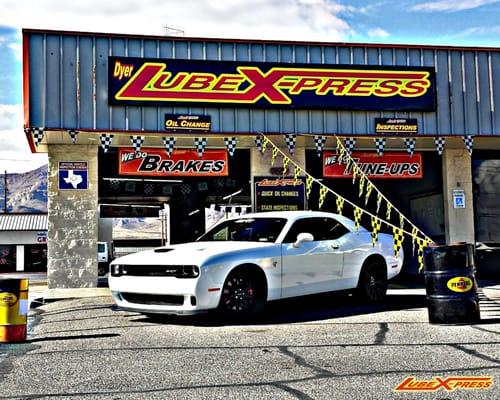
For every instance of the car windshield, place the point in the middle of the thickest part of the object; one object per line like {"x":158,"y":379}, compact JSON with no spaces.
{"x":246,"y":230}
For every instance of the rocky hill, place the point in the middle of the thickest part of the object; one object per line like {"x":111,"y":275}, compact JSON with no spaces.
{"x":26,"y":192}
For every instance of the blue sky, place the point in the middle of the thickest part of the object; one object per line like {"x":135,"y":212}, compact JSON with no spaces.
{"x":442,"y":22}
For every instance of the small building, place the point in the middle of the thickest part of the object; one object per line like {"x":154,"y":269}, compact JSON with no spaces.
{"x":23,"y":242}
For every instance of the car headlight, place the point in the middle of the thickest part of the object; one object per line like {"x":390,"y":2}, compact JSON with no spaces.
{"x":116,"y":270}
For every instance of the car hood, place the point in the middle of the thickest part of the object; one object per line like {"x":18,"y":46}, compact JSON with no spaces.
{"x":188,"y":253}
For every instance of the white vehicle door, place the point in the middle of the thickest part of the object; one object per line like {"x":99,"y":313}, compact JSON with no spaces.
{"x":313,"y":267}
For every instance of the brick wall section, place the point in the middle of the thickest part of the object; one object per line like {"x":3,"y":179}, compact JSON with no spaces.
{"x":72,"y":222}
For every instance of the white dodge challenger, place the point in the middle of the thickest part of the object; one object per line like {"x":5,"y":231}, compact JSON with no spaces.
{"x":241,"y":263}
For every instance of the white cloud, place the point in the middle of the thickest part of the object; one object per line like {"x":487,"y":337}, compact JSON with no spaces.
{"x":451,"y":5}
{"x":483,"y":30}
{"x":15,"y":154}
{"x":271,"y":19}
{"x":378,"y":33}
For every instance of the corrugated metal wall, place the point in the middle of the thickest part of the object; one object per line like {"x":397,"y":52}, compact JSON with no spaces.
{"x":68,"y":85}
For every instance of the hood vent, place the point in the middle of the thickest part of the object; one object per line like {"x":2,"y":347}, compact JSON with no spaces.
{"x":162,"y":250}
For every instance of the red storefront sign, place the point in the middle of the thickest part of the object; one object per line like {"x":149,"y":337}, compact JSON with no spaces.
{"x":389,"y":166}
{"x":156,"y":162}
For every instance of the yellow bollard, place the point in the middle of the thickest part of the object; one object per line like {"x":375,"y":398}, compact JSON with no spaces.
{"x":13,"y":310}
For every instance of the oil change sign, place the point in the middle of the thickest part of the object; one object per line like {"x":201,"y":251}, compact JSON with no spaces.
{"x":272,"y":194}
{"x":388,"y":166}
{"x":156,"y":162}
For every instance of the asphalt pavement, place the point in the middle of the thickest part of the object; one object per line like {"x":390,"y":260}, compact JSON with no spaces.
{"x":319,"y":347}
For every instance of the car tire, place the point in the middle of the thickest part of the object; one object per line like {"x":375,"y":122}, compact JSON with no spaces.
{"x":102,"y":269}
{"x":372,"y":285}
{"x":242,"y":295}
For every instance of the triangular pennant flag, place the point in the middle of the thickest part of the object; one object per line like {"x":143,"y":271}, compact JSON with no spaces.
{"x":414,"y":233}
{"x":231,"y":145}
{"x":349,"y":144}
{"x":340,"y":204}
{"x":169,"y":143}
{"x":388,"y":212}
{"x":319,"y":142}
{"x":73,"y":134}
{"x":361,"y":185}
{"x":401,"y":221}
{"x":379,"y":201}
{"x":290,"y":140}
{"x":137,"y":142}
{"x":376,"y":226}
{"x":420,"y":253}
{"x":354,"y":172}
{"x":200,"y":144}
{"x":369,"y":188}
{"x":37,"y":135}
{"x":440,"y":142}
{"x":274,"y":154}
{"x":309,"y":183}
{"x":380,"y":145}
{"x":398,"y":238}
{"x":286,"y":161}
{"x":341,"y":155}
{"x":410,"y":145}
{"x":258,"y":142}
{"x":323,"y":191}
{"x":106,"y":140}
{"x":358,"y":212}
{"x":296,"y":173}
{"x":469,"y":142}
{"x":265,"y":141}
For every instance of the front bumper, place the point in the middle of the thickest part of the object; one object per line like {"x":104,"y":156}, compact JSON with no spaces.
{"x":164,"y":295}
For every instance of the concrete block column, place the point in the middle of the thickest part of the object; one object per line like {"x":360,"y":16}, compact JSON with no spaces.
{"x":72,"y":222}
{"x":457,"y":174}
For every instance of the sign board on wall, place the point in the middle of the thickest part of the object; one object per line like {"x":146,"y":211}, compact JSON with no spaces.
{"x":181,"y":122}
{"x":396,"y":126}
{"x":458,"y":198}
{"x":142,"y":81}
{"x":389,"y":166}
{"x":156,"y":162}
{"x":41,"y":237}
{"x":73,"y":175}
{"x":277,"y":194}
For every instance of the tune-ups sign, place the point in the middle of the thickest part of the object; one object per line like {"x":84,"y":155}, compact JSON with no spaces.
{"x":388,"y":166}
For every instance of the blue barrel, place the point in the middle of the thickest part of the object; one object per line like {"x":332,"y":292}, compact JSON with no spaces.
{"x":451,"y":285}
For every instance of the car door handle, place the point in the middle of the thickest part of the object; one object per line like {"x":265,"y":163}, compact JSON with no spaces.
{"x":335,"y":246}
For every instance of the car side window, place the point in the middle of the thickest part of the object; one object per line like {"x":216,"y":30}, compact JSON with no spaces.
{"x":322,"y":228}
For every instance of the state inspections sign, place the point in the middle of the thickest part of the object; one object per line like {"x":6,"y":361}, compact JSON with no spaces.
{"x":156,"y":162}
{"x":73,"y":175}
{"x":395,"y":165}
{"x":276,"y":194}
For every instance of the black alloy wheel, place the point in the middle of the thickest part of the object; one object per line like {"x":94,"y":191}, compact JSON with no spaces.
{"x":373,"y":283}
{"x":241,"y":295}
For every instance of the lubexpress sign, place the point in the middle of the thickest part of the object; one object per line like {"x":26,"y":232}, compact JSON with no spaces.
{"x":226,"y":83}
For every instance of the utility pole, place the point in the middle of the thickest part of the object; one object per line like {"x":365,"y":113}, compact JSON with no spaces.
{"x":5,"y":192}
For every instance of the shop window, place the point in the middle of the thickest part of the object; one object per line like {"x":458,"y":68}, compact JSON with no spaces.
{"x":7,"y":258}
{"x":35,"y":258}
{"x":486,"y":181}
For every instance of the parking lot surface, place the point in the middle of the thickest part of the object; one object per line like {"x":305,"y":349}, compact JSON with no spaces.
{"x":321,"y":347}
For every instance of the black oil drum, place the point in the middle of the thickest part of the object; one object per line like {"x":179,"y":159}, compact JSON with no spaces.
{"x":451,"y":285}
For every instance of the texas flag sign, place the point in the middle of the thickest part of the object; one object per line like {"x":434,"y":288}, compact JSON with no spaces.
{"x":73,"y":175}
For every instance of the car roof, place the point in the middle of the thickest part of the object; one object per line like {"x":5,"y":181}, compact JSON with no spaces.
{"x":294,"y":215}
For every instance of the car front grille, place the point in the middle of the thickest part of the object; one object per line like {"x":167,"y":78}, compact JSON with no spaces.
{"x":178,"y":271}
{"x":153,"y":299}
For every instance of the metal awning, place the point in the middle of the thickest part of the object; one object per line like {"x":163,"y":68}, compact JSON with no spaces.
{"x":23,"y":222}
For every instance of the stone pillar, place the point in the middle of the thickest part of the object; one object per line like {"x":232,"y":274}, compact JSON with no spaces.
{"x":72,"y":221}
{"x":20,"y":257}
{"x":457,"y":174}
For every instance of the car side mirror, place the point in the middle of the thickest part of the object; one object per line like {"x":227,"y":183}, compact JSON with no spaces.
{"x":303,"y":238}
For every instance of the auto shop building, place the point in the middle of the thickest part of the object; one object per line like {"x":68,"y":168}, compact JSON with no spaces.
{"x":136,"y":124}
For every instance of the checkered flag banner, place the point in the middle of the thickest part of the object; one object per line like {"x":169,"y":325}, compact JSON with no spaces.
{"x":398,"y":237}
{"x":185,"y":189}
{"x":137,"y":142}
{"x":380,"y":145}
{"x":376,"y":226}
{"x":258,"y":142}
{"x":73,"y":135}
{"x":469,"y":142}
{"x":114,"y":184}
{"x":323,"y":191}
{"x":319,"y":142}
{"x":410,"y":145}
{"x":340,"y":204}
{"x":169,"y":143}
{"x":358,"y":212}
{"x":200,"y":144}
{"x":148,"y":189}
{"x":349,"y":144}
{"x":290,"y":140}
{"x":439,"y":141}
{"x":106,"y":140}
{"x":309,"y":183}
{"x":37,"y":135}
{"x":230,"y":145}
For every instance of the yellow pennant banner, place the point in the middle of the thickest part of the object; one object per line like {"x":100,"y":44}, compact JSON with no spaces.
{"x":274,"y":155}
{"x":286,"y":161}
{"x":309,"y":184}
{"x":376,"y":226}
{"x":369,"y":188}
{"x":323,"y":190}
{"x":398,"y":237}
{"x":357,"y":218}
{"x":340,"y":204}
